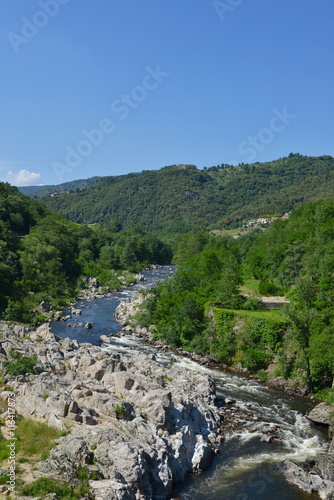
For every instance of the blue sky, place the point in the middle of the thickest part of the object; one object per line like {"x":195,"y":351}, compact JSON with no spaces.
{"x":107,"y":87}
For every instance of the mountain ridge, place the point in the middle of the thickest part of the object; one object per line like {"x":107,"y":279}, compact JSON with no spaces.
{"x":50,"y":189}
{"x":180,"y":198}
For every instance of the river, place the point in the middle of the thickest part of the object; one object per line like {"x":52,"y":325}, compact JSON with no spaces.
{"x":246,"y":468}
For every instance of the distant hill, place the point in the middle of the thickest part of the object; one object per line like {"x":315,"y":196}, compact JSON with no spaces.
{"x":33,"y":190}
{"x":66,"y":187}
{"x":180,"y":198}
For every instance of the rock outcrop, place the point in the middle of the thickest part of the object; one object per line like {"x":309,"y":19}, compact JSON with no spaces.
{"x":318,"y":475}
{"x":322,"y":414}
{"x":139,"y":425}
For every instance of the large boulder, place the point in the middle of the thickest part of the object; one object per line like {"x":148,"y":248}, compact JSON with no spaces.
{"x":324,"y":466}
{"x":309,"y":480}
{"x":58,"y":465}
{"x":322,"y":414}
{"x":109,"y":489}
{"x":44,"y":331}
{"x":76,"y":448}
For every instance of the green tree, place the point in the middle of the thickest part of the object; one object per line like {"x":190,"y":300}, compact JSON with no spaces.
{"x":228,"y":285}
{"x":303,"y":314}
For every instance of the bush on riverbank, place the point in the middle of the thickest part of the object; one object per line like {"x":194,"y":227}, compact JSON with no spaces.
{"x":246,"y":338}
{"x":19,"y":365}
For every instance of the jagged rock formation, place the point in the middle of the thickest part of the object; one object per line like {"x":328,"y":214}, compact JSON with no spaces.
{"x":139,"y":426}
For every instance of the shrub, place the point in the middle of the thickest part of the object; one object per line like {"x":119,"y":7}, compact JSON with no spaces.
{"x":20,"y":365}
{"x":14,"y":311}
{"x":326,"y":394}
{"x":252,"y":303}
{"x":266,"y":288}
{"x":3,"y":478}
{"x":46,"y":485}
{"x":120,"y":411}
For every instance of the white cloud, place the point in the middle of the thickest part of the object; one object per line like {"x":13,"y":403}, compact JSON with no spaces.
{"x":23,"y":178}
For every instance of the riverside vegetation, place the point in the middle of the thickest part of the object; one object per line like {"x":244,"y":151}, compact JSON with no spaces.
{"x":205,"y":308}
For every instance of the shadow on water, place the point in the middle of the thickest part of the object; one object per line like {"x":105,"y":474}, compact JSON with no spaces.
{"x":228,"y":481}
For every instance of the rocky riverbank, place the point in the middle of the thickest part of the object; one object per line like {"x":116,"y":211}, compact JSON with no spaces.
{"x":316,"y":475}
{"x":92,"y":289}
{"x":137,"y":426}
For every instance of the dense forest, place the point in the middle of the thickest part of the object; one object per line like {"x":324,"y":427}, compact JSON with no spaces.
{"x":213,"y":303}
{"x":44,"y":256}
{"x":181,"y":198}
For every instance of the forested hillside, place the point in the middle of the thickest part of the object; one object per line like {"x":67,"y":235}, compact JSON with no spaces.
{"x":43,"y":256}
{"x":65,"y":187}
{"x":181,"y":198}
{"x":204,"y":308}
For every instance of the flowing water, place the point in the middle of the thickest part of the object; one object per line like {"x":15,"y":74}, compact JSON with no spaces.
{"x":246,"y":468}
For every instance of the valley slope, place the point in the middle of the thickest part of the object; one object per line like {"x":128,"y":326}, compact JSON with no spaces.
{"x":180,"y":198}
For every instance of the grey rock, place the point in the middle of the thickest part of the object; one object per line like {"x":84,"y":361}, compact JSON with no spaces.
{"x":57,"y":315}
{"x":109,"y":489}
{"x":88,"y":419}
{"x":55,"y":422}
{"x":296,"y":475}
{"x":266,"y":438}
{"x":58,"y":465}
{"x":308,"y":480}
{"x":322,"y":414}
{"x":122,"y":382}
{"x":76,"y":312}
{"x":74,"y":409}
{"x":105,"y":339}
{"x":44,"y":331}
{"x":229,"y":401}
{"x":202,"y":456}
{"x":21,"y":331}
{"x":76,"y":448}
{"x":324,"y":465}
{"x":96,"y":370}
{"x":44,"y":306}
{"x":331,"y":447}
